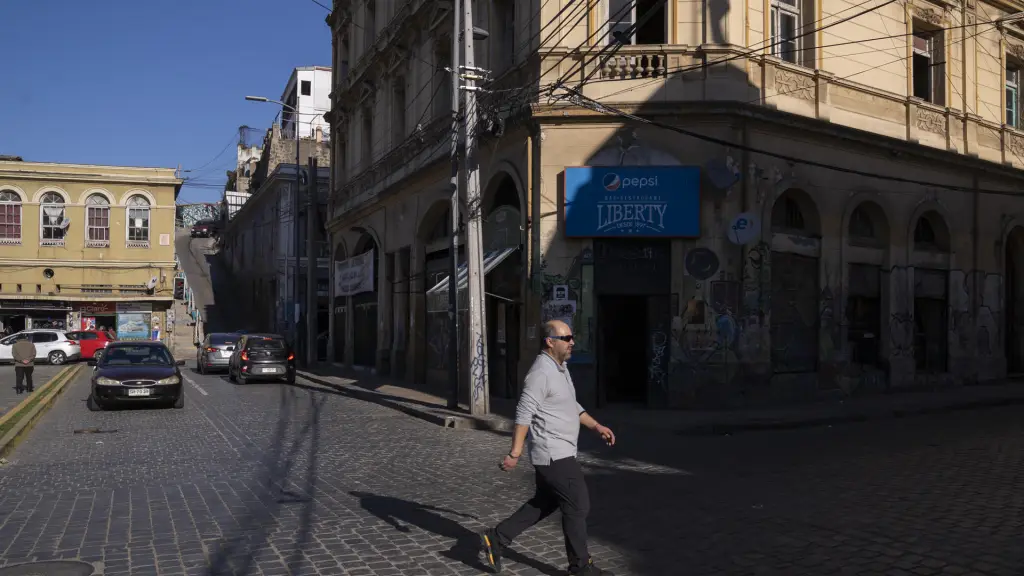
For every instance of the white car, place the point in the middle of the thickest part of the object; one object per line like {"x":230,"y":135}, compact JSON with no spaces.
{"x":51,"y":345}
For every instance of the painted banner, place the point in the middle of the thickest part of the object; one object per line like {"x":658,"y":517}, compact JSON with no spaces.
{"x":354,"y":276}
{"x":133,"y":326}
{"x":632,"y":202}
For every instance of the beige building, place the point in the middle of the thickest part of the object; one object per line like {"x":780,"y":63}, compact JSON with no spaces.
{"x":85,"y":246}
{"x":828,"y":203}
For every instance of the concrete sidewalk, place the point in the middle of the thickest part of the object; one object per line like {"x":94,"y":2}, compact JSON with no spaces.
{"x":432,"y":408}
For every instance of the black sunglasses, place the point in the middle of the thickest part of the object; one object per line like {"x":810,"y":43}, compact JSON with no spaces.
{"x":566,"y":338}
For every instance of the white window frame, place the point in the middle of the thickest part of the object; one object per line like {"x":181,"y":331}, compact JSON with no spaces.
{"x":6,"y":200}
{"x":1013,"y":85}
{"x":90,"y":207}
{"x":779,"y":10}
{"x":47,"y":201}
{"x":133,"y":206}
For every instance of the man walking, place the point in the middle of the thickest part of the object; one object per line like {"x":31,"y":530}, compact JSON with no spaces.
{"x":24,"y":352}
{"x":548,"y":410}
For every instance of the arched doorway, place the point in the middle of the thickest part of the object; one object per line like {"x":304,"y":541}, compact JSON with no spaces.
{"x":364,"y":310}
{"x":931,"y":246}
{"x":338,"y":307}
{"x":867,"y":247}
{"x":504,"y":266}
{"x":796,"y":233}
{"x":1013,"y":280}
{"x":435,"y":235}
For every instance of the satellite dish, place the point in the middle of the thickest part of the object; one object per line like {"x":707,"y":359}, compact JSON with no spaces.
{"x":152,"y":283}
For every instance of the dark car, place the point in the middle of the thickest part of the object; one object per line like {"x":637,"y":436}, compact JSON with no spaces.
{"x":262,"y":357}
{"x":205,"y":229}
{"x":136,"y":372}
{"x":214,"y":352}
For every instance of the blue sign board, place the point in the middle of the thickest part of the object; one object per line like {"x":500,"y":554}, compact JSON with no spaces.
{"x":632,"y":201}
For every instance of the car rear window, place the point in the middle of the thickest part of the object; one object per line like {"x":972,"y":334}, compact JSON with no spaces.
{"x":127,"y":355}
{"x":266,"y":344}
{"x":221,"y":339}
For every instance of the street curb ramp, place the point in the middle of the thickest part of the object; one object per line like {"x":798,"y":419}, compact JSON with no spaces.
{"x":30,"y":410}
{"x":434,"y":416}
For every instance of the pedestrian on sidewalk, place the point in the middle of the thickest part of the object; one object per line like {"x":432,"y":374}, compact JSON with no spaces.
{"x":549,"y":412}
{"x":24,"y":352}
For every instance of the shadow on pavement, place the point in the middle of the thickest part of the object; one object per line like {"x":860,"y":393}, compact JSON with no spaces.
{"x":402,"y":513}
{"x":282,"y":483}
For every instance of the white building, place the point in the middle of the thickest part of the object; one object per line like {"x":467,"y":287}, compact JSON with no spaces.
{"x":309,"y":92}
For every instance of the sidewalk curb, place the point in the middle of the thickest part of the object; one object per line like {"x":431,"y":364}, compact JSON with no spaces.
{"x":712,"y":429}
{"x":49,"y":393}
{"x":459,"y":422}
{"x":753,"y":424}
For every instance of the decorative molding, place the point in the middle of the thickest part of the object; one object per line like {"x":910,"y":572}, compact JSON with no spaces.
{"x":1015,"y":144}
{"x":930,"y":121}
{"x":792,"y":84}
{"x":1017,"y":50}
{"x":929,"y":15}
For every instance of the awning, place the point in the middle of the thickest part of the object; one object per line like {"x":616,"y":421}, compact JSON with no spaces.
{"x":491,"y":261}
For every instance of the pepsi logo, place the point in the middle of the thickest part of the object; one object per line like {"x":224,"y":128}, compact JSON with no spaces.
{"x":611,"y":182}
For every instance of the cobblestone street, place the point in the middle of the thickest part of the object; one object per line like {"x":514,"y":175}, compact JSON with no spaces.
{"x":268,"y":478}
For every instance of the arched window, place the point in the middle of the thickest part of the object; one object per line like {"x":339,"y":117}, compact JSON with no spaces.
{"x":138,"y":222}
{"x":97,"y":221}
{"x":10,"y":217}
{"x":53,"y":224}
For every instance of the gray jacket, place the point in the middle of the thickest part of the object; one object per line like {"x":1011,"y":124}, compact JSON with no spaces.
{"x":548,"y":406}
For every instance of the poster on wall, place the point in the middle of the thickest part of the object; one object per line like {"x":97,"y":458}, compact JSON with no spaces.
{"x":89,"y":323}
{"x":133,"y":326}
{"x":354,"y":276}
{"x":563,"y":310}
{"x":632,"y":202}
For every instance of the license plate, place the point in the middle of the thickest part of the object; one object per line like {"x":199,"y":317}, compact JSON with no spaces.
{"x":138,"y":392}
{"x":268,"y":370}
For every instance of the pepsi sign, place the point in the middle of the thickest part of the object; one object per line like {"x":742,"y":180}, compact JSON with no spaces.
{"x":632,"y":201}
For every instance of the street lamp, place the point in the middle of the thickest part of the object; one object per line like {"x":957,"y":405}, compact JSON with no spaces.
{"x":295,"y":217}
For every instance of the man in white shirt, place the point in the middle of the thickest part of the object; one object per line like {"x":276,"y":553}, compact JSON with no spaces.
{"x":549,"y":412}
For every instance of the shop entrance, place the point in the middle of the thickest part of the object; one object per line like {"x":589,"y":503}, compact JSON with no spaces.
{"x":12,"y":324}
{"x":622,"y":348}
{"x":632,"y":285}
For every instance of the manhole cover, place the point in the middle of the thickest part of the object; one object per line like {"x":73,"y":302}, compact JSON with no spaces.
{"x":55,"y":568}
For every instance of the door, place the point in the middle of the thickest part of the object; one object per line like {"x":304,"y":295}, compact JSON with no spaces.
{"x":794,"y":313}
{"x":45,"y":342}
{"x":7,"y":345}
{"x":365,"y":332}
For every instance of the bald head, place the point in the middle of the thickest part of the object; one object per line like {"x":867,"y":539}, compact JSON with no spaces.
{"x":557,"y":340}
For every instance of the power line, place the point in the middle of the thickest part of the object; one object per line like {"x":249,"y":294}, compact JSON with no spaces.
{"x":611,"y":110}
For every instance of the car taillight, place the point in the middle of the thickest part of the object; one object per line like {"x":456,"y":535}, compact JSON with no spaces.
{"x":209,"y":349}
{"x":245,"y":355}
{"x":291,"y":356}
{"x":105,"y":342}
{"x":73,"y":342}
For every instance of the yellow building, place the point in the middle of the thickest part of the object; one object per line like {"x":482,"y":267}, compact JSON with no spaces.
{"x":85,"y":246}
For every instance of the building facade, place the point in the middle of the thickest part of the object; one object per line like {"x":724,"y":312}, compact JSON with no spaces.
{"x":87,"y":247}
{"x":258,"y":245}
{"x":807,"y":215}
{"x":238,"y":188}
{"x":309,"y":93}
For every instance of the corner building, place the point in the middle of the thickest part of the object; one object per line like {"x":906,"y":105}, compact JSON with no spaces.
{"x":820,"y":217}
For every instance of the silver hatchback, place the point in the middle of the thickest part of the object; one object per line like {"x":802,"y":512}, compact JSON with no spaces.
{"x":214,"y":353}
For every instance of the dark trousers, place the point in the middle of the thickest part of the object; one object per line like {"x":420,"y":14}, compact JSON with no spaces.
{"x":23,"y":373}
{"x":560,"y":485}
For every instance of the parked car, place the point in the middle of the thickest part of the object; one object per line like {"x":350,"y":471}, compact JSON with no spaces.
{"x":51,"y":345}
{"x":214,"y":352}
{"x":262,"y":357}
{"x":205,"y":229}
{"x":93,"y":342}
{"x":136,"y":372}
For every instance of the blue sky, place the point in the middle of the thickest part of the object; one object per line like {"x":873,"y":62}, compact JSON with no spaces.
{"x":144,"y":83}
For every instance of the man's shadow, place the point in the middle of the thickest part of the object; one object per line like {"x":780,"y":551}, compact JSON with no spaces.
{"x":403,"y":513}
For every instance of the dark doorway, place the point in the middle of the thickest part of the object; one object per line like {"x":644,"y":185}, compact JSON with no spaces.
{"x":622,"y":371}
{"x":1014,"y":298}
{"x":339,"y":328}
{"x":930,"y":320}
